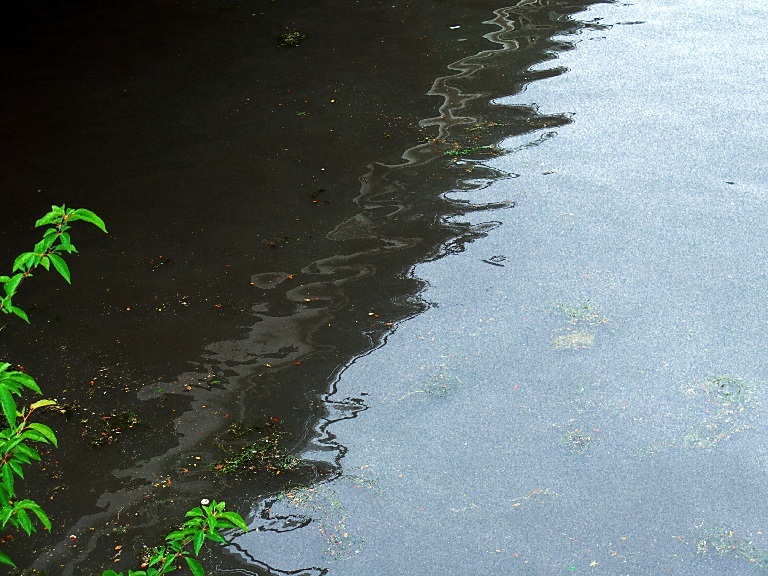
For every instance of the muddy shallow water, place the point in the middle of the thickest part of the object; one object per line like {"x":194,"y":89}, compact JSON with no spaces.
{"x":489,"y":276}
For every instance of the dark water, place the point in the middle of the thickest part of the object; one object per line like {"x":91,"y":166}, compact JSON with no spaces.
{"x":262,"y":225}
{"x":549,"y":213}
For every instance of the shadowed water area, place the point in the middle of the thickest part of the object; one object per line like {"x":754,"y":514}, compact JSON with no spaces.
{"x":443,"y":289}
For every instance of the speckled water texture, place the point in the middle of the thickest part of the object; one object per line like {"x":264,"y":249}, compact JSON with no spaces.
{"x":586,"y":394}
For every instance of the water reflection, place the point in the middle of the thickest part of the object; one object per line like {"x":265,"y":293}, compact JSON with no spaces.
{"x":328,"y":311}
{"x":421,"y":206}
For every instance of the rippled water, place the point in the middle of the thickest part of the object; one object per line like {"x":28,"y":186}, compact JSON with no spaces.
{"x":585,"y":393}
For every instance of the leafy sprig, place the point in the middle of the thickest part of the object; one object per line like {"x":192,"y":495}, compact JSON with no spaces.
{"x":16,"y":451}
{"x":48,"y":252}
{"x":204,"y":522}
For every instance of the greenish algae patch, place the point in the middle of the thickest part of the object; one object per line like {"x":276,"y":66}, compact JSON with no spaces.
{"x":725,"y":542}
{"x":584,"y":320}
{"x":323,"y":506}
{"x":725,"y":403}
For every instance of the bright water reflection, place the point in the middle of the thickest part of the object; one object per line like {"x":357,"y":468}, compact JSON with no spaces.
{"x":587,"y":395}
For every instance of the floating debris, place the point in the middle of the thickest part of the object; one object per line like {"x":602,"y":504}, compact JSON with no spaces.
{"x":574,"y":340}
{"x":325,"y":508}
{"x":725,"y":401}
{"x":534,"y":496}
{"x":266,"y":454}
{"x":727,"y":543}
{"x":104,"y":430}
{"x":441,"y":386}
{"x":291,"y":39}
{"x":577,"y":440}
{"x":584,"y":321}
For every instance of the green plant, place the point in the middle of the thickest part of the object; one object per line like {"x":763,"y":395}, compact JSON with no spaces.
{"x":19,"y":432}
{"x":204,"y":522}
{"x":16,"y":451}
{"x":46,"y":253}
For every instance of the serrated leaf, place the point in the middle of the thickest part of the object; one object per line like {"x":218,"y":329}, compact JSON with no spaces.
{"x":45,"y":431}
{"x":9,"y":406}
{"x":88,"y":216}
{"x":61,"y":266}
{"x":194,"y":566}
{"x":5,"y":559}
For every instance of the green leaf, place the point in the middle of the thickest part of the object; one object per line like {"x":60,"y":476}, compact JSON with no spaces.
{"x":45,"y":262}
{"x":40,"y":513}
{"x":29,"y":453}
{"x":9,"y":406}
{"x":88,"y":216}
{"x":158,"y":556}
{"x":43,"y":404}
{"x":52,"y":217}
{"x":5,"y":559}
{"x":23,"y":261}
{"x":195,"y":512}
{"x":25,"y":380}
{"x":5,"y":514}
{"x":44,"y":244}
{"x":20,"y":313}
{"x":215,"y":537}
{"x":13,"y":283}
{"x":111,"y":573}
{"x":24,"y":521}
{"x":61,"y":266}
{"x":45,"y":431}
{"x":15,"y":465}
{"x":33,"y":435}
{"x":194,"y":566}
{"x":198,"y":540}
{"x":235,"y":519}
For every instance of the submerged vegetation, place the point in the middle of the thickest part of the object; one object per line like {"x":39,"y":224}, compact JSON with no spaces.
{"x":267,"y":453}
{"x":725,"y":400}
{"x":727,"y":543}
{"x":291,"y":39}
